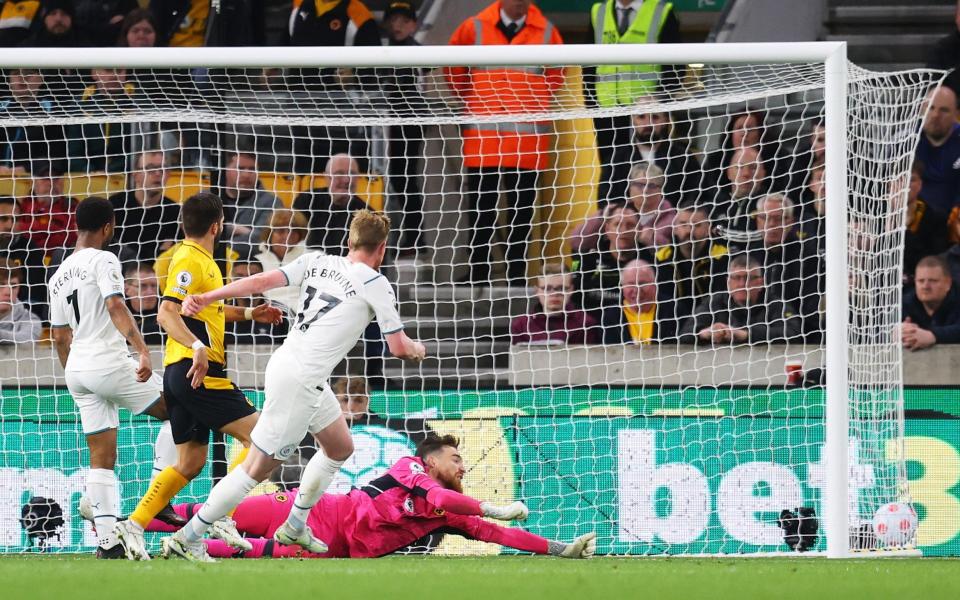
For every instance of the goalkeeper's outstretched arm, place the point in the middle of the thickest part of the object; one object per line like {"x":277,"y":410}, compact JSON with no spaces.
{"x":456,"y":503}
{"x":476,"y":528}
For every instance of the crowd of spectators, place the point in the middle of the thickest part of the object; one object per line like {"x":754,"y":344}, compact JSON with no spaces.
{"x":723,"y":246}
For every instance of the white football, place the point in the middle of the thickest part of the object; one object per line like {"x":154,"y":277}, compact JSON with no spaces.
{"x":895,"y":524}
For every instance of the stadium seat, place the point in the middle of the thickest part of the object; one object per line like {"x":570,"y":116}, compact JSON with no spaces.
{"x":181,"y":184}
{"x":82,"y":185}
{"x":283,"y":185}
{"x":370,"y":189}
{"x":17,"y":187}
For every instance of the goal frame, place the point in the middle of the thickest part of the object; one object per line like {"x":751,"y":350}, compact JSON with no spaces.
{"x":833,"y":56}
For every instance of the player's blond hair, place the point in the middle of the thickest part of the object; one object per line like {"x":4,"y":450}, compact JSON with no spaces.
{"x":368,"y":229}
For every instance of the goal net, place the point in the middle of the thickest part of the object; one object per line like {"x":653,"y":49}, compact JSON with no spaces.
{"x":621,"y":280}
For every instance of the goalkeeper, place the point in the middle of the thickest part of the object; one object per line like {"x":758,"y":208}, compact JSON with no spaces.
{"x":417,"y":496}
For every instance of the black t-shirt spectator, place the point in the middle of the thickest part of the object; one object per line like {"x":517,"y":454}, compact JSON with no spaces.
{"x":22,"y":145}
{"x":148,"y":326}
{"x":44,"y":38}
{"x":794,"y":271}
{"x":329,"y":223}
{"x":100,"y":20}
{"x":683,"y":283}
{"x":349,"y":23}
{"x":925,"y":235}
{"x":17,"y":23}
{"x":141,"y":230}
{"x":944,"y":324}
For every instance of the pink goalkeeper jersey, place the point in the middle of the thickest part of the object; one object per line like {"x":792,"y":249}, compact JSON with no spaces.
{"x":392,"y":511}
{"x":389,"y":513}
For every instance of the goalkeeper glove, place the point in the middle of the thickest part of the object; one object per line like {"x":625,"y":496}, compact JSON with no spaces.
{"x":517,"y":511}
{"x":582,"y":547}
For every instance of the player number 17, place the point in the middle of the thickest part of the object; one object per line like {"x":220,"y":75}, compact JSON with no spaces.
{"x":331,"y":303}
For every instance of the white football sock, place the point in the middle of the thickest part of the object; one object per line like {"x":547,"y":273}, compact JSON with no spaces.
{"x":316,"y":478}
{"x":224,"y":497}
{"x":164,"y":450}
{"x":102,"y":492}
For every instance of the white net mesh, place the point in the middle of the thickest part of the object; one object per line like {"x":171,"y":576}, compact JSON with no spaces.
{"x":664,"y":389}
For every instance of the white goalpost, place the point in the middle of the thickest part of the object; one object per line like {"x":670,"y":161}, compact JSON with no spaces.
{"x":643,"y":427}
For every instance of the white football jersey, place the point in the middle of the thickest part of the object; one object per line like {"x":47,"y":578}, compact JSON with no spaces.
{"x":77,"y":292}
{"x":338,"y":299}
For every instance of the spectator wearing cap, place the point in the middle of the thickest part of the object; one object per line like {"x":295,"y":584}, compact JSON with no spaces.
{"x":402,"y":86}
{"x":18,"y":20}
{"x":58,"y":27}
{"x":284,"y":241}
{"x":147,"y":221}
{"x":554,"y":319}
{"x":931,"y":310}
{"x":47,"y":215}
{"x":17,"y":324}
{"x":939,"y":151}
{"x":21,"y":145}
{"x":504,"y":157}
{"x":746,"y":313}
{"x":100,"y":20}
{"x":102,"y":146}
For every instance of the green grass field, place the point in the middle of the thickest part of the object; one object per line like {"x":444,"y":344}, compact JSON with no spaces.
{"x":497,"y":578}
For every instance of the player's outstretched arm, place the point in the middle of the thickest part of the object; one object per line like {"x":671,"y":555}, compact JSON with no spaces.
{"x":461,"y":504}
{"x":261,"y":313}
{"x":127,"y":326}
{"x":248,"y":286}
{"x":403,"y":347}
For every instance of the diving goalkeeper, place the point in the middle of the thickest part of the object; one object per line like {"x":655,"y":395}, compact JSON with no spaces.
{"x":419,"y":495}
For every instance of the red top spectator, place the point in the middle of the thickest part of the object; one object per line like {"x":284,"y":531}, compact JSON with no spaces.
{"x":556,"y":321}
{"x":47,"y":217}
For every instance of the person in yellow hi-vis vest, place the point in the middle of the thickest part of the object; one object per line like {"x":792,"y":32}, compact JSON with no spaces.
{"x":626,"y":22}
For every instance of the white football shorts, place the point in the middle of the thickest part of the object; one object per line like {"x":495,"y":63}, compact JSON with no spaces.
{"x":99,"y":395}
{"x":291,"y":409}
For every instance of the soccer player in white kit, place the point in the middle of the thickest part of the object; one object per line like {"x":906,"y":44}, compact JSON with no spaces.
{"x":91,"y":327}
{"x":339,"y":296}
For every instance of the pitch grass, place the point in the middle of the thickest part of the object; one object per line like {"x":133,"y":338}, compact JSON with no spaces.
{"x":493,"y":578}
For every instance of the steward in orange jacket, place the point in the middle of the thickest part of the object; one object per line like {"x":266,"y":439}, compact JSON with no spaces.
{"x":504,"y":155}
{"x":513,"y":90}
